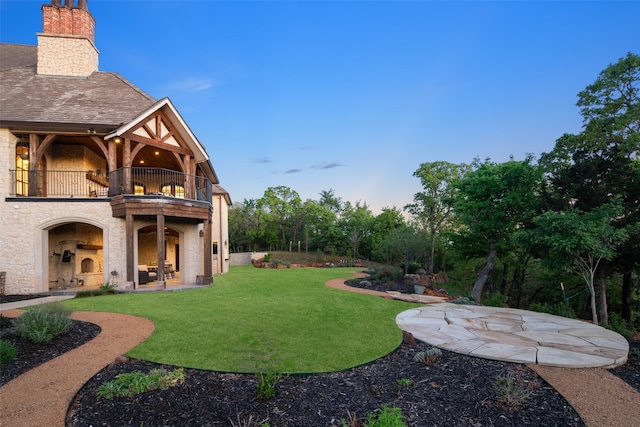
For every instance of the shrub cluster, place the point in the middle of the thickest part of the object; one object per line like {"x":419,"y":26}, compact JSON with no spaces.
{"x":138,"y":382}
{"x":44,"y":323}
{"x":8,"y":352}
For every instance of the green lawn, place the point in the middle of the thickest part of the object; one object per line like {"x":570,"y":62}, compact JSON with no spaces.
{"x":251,"y":320}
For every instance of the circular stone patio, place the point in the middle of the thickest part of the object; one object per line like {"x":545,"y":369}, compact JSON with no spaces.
{"x":513,"y":335}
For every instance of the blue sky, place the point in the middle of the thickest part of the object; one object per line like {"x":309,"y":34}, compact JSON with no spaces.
{"x":354,"y":95}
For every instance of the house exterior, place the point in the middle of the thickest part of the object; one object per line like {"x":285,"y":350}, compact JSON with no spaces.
{"x":99,"y":179}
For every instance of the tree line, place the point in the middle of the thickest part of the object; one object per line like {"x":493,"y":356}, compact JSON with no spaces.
{"x":539,"y":231}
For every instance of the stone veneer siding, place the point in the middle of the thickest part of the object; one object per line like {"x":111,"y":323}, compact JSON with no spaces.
{"x":66,"y":55}
{"x":24,"y":228}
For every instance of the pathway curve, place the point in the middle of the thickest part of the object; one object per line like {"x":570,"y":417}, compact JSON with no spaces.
{"x":41,"y":396}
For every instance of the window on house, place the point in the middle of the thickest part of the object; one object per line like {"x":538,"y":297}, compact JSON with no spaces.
{"x":174,"y":189}
{"x":215,"y":248}
{"x":22,"y":168}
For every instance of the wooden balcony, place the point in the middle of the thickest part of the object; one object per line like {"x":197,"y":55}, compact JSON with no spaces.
{"x":147,"y":182}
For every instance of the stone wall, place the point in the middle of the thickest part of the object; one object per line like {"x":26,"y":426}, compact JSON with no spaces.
{"x":245,"y":258}
{"x":66,"y":55}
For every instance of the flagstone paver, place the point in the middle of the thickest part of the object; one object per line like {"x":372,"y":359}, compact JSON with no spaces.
{"x":515,"y":335}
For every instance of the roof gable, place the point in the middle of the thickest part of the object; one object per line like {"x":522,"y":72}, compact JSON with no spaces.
{"x":169,"y":128}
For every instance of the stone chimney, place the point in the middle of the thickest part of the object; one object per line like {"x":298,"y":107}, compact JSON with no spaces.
{"x":65,"y":46}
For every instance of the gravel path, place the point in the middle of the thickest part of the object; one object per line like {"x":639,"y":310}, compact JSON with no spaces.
{"x":41,"y":396}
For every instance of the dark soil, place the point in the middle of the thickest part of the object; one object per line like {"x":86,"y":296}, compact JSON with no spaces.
{"x":630,"y":371}
{"x":456,"y":391}
{"x":32,"y":354}
{"x":14,"y":298}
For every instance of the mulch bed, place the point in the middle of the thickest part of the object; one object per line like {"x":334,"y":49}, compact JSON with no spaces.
{"x":32,"y":354}
{"x":630,"y":371}
{"x":456,"y":391}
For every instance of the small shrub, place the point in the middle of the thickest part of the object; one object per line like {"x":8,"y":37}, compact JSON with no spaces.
{"x":463,"y":301}
{"x":43,"y":324}
{"x":137,"y":382}
{"x":248,"y":422}
{"x":95,"y":293}
{"x":266,"y":385}
{"x":109,"y":288}
{"x":5,"y":322}
{"x":404,"y":382}
{"x":267,"y":258}
{"x":388,"y":417}
{"x":429,"y":357}
{"x":8,"y":352}
{"x":559,"y":309}
{"x":619,"y":325}
{"x":387,"y":274}
{"x":496,"y":300}
{"x":510,"y":392}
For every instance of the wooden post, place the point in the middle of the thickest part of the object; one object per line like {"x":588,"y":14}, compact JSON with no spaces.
{"x":126,"y":163}
{"x":160,"y":248}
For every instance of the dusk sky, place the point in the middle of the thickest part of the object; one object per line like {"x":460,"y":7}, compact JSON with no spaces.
{"x":354,"y":95}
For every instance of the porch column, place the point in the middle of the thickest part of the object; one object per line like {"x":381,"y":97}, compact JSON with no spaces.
{"x":112,"y":165}
{"x":131,"y":269}
{"x":126,"y":163}
{"x":160,"y":248}
{"x":208,"y":241}
{"x":33,"y":163}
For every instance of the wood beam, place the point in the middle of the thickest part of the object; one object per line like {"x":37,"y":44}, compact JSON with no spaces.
{"x":157,"y":144}
{"x":101,"y":144}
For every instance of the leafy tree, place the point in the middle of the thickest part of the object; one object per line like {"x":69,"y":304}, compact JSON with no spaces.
{"x":279,"y":207}
{"x":329,"y":200}
{"x":578,"y":241}
{"x":590,"y":169}
{"x":403,"y":244}
{"x":493,"y":201}
{"x":243,"y":226}
{"x":432,"y":207}
{"x":357,"y":223}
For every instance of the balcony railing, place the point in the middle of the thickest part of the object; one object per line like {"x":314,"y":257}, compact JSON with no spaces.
{"x":100,"y":184}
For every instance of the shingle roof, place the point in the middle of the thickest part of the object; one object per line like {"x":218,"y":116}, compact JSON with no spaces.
{"x":103,"y":99}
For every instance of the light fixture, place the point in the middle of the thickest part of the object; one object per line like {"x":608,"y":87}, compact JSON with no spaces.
{"x":157,"y":153}
{"x":118,"y":140}
{"x":141,"y":162}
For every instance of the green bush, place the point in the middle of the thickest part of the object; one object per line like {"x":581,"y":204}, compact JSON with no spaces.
{"x":496,"y":300}
{"x":429,"y":357}
{"x":619,"y":325}
{"x":266,"y":385}
{"x":43,"y":324}
{"x":109,"y":288}
{"x":8,"y":352}
{"x":137,"y":382}
{"x":510,"y":392}
{"x":95,"y":292}
{"x":558,"y":309}
{"x":388,"y":417}
{"x":5,"y":322}
{"x":387,"y":274}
